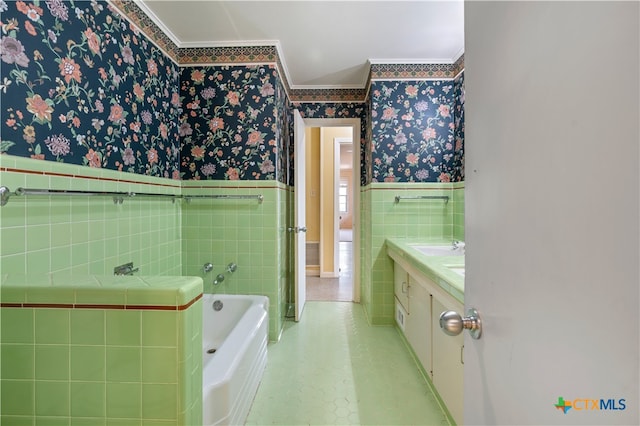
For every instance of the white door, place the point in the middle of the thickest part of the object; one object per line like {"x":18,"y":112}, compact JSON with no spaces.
{"x":299,"y":216}
{"x":552,"y":195}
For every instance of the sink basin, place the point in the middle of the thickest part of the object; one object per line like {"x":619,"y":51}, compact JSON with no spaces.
{"x":438,"y":250}
{"x":457,"y":269}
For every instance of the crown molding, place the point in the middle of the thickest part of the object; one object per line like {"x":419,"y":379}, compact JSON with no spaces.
{"x":139,"y":18}
{"x":459,"y":55}
{"x":228,"y":43}
{"x":142,"y":6}
{"x":396,"y":61}
{"x":327,"y":86}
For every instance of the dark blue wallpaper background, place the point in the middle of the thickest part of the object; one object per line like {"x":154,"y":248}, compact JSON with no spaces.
{"x":458,"y":94}
{"x":414,"y":131}
{"x":231,"y":123}
{"x":81,"y":85}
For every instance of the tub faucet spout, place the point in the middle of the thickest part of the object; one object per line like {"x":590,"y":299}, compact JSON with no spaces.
{"x":218,"y":280}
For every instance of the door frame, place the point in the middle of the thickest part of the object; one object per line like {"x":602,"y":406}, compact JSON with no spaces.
{"x":354,"y":123}
{"x":299,"y":225}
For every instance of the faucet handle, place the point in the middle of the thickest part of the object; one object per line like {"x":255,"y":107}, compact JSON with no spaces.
{"x":458,"y":244}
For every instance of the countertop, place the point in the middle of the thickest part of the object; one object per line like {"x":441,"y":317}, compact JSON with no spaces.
{"x":436,"y":268}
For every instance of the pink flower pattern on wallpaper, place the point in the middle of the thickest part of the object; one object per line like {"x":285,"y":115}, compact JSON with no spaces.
{"x":458,"y":114}
{"x":81,"y":85}
{"x":231,"y":123}
{"x":415,"y":136}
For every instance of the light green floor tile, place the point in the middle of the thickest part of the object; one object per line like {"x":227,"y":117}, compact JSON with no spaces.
{"x":333,"y":368}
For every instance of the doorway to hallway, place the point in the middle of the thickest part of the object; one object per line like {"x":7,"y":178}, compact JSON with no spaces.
{"x":338,"y":289}
{"x":323,"y":280}
{"x":330,"y":174}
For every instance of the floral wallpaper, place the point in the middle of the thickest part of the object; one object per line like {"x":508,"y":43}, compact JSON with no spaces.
{"x":335,"y":110}
{"x":458,"y":114}
{"x":231,"y":122}
{"x":414,"y":131}
{"x":81,"y":85}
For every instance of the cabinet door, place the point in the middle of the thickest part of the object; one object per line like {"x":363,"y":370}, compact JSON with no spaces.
{"x":418,"y":324}
{"x":447,"y":361}
{"x":401,"y":285}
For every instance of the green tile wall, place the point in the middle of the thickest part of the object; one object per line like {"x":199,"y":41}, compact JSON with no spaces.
{"x":92,"y":235}
{"x":285,"y":259}
{"x":250,"y":234}
{"x":86,"y":235}
{"x":101,"y":366}
{"x":365,"y":250}
{"x":382,"y":217}
{"x":91,"y":363}
{"x":81,"y":235}
{"x":458,"y":211}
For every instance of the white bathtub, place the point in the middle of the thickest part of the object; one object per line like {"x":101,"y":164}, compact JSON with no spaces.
{"x":231,"y":375}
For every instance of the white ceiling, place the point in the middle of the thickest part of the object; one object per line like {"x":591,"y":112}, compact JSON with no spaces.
{"x":322,"y":44}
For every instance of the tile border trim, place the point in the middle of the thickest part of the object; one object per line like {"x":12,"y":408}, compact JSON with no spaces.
{"x":82,"y":176}
{"x":99,"y":306}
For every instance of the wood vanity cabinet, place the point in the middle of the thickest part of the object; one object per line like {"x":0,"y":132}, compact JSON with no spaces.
{"x":440,"y":354}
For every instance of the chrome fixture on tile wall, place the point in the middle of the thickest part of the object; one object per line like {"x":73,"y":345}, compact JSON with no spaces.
{"x":398,"y":198}
{"x":231,"y":268}
{"x":125,"y":269}
{"x":118,"y":197}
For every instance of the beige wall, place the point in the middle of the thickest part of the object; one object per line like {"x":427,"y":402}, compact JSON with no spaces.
{"x":328,"y":188}
{"x":312,"y":161}
{"x":312,"y":212}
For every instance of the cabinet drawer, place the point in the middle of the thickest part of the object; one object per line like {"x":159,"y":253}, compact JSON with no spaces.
{"x":401,"y":286}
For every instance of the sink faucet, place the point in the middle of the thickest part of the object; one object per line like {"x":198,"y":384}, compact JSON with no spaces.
{"x":458,"y":245}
